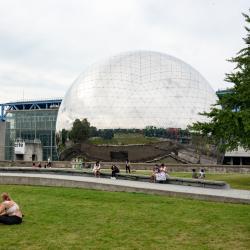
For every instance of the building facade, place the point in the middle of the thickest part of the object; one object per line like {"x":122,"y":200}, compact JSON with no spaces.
{"x":30,"y":121}
{"x":235,"y":157}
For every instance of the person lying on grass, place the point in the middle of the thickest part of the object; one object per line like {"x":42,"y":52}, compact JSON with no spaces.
{"x":10,"y":212}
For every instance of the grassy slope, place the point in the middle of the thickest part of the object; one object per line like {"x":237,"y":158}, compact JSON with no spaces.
{"x":124,"y":139}
{"x":65,"y":218}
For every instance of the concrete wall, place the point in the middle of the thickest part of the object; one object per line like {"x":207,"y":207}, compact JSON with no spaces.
{"x":136,"y":153}
{"x":32,"y":149}
{"x":2,"y":140}
{"x":195,"y":158}
{"x":56,"y":164}
{"x":143,"y":166}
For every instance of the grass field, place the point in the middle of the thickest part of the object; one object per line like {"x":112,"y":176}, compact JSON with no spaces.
{"x":67,"y":218}
{"x":124,"y":139}
{"x":238,"y":181}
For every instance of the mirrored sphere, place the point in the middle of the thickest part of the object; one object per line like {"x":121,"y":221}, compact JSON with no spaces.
{"x":135,"y":90}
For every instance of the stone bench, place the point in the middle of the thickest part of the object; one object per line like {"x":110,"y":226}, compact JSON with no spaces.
{"x":144,"y":178}
{"x":198,"y":183}
{"x":179,"y":181}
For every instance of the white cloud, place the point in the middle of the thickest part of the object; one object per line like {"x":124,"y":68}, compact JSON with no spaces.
{"x":45,"y":45}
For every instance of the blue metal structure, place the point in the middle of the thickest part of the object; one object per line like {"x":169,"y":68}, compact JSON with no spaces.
{"x":28,"y":105}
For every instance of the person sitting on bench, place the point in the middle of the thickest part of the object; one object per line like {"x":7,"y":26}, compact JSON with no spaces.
{"x":97,"y":169}
{"x":162,"y":174}
{"x":202,"y":174}
{"x":194,"y":174}
{"x":155,"y":171}
{"x":115,"y":171}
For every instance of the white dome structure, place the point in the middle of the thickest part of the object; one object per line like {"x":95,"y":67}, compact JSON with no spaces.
{"x":135,"y":90}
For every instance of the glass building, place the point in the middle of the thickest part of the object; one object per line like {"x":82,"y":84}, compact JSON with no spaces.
{"x":135,"y":90}
{"x":31,"y":120}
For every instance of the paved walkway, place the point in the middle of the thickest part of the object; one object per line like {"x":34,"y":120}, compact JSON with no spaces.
{"x":228,"y":195}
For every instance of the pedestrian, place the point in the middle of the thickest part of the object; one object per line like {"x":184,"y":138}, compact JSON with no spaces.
{"x":127,"y":164}
{"x":49,"y":162}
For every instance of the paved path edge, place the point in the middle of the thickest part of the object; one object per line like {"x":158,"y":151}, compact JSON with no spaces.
{"x":53,"y":182}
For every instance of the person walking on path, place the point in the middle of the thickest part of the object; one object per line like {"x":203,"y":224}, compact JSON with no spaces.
{"x":49,"y":162}
{"x":127,"y":166}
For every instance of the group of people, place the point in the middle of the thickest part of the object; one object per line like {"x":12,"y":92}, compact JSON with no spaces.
{"x":159,"y":173}
{"x":10,"y":212}
{"x":201,"y":174}
{"x":47,"y":164}
{"x":114,"y":169}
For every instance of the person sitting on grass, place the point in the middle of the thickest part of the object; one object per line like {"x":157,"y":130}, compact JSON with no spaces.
{"x":115,"y":171}
{"x":10,"y":212}
{"x":97,"y":169}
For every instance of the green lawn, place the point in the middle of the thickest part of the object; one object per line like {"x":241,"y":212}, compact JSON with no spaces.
{"x":70,"y":218}
{"x":238,"y":181}
{"x":124,"y":139}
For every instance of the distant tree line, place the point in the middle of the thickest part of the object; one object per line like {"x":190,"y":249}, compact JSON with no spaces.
{"x":82,"y":130}
{"x":170,"y":133}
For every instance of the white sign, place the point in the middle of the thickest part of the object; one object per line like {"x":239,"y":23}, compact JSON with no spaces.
{"x":19,"y":148}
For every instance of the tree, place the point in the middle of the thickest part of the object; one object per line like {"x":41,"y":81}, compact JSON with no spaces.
{"x":93,"y":131}
{"x":149,"y":131}
{"x":107,"y":134}
{"x":64,"y":136}
{"x":80,"y":130}
{"x":229,"y":124}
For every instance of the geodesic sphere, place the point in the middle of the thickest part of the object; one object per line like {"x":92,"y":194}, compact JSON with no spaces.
{"x":135,"y":90}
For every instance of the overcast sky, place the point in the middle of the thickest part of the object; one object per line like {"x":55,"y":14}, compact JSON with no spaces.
{"x":46,"y":44}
